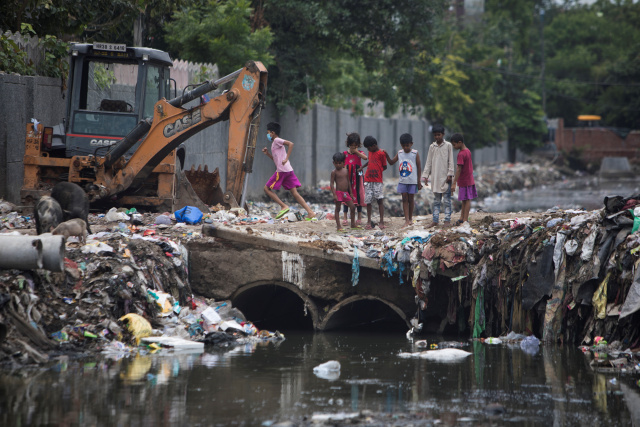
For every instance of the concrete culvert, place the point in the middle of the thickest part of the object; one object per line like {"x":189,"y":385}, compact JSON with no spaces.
{"x":365,"y":313}
{"x":276,"y":307}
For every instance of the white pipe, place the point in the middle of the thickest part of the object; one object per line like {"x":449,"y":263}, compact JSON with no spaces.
{"x":52,"y":252}
{"x":20,"y":252}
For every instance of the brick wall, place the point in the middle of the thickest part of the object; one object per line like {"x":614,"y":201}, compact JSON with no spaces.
{"x":598,"y":142}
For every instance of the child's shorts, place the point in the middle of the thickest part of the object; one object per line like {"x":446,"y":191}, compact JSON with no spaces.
{"x":372,"y":190}
{"x":345,"y":208}
{"x":288,"y":180}
{"x":408,"y":188}
{"x":467,"y":193}
{"x":343,"y":196}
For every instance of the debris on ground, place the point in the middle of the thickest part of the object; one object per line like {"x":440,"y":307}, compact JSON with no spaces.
{"x":126,"y":290}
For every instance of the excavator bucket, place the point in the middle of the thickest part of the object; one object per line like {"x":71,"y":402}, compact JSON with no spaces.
{"x":197,"y":188}
{"x":206,"y":184}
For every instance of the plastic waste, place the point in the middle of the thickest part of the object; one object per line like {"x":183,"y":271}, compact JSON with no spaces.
{"x":188,"y":214}
{"x":137,"y":325}
{"x":329,"y":370}
{"x":554,"y":222}
{"x":571,"y":247}
{"x":113,"y":215}
{"x":96,"y":247}
{"x":210,"y":316}
{"x":163,"y":300}
{"x":163,"y":220}
{"x":493,"y":340}
{"x":441,"y":355}
{"x":530,"y":345}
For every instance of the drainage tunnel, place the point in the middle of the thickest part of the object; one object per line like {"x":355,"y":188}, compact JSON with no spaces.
{"x":275,"y":307}
{"x":366,"y":314}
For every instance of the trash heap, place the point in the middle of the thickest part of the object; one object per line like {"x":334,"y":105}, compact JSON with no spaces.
{"x":492,"y":180}
{"x":565,"y":276}
{"x":126,"y":290}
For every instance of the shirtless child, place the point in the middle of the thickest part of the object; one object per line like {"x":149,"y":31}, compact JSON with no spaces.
{"x":341,"y":189}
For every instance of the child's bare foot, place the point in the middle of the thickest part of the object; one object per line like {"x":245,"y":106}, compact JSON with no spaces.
{"x":382,"y":225}
{"x":406,"y":223}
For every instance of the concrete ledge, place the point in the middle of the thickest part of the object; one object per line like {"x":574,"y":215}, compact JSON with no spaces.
{"x":286,"y":243}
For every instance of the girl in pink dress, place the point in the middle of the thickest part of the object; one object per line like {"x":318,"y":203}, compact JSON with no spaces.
{"x":353,"y":163}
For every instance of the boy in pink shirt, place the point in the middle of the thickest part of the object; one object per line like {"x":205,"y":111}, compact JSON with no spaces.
{"x":284,"y":176}
{"x":464,"y":177}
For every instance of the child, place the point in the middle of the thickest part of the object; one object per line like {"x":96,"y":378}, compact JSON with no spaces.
{"x":342,"y":189}
{"x":284,"y":175}
{"x":408,"y":185}
{"x":439,"y":167}
{"x":464,"y":177}
{"x":373,"y":180}
{"x":353,"y":163}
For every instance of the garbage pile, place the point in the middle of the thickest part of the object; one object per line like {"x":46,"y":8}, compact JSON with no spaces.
{"x":125,"y":290}
{"x":492,"y":180}
{"x":610,"y":358}
{"x":566,"y":276}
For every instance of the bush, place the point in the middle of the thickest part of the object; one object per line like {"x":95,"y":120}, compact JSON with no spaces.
{"x":53,"y":62}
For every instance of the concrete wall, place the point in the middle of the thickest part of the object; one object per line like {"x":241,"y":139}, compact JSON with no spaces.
{"x":21,"y":99}
{"x":317,"y":135}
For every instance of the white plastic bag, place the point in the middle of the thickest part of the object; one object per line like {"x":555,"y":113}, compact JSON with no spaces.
{"x":113,"y":216}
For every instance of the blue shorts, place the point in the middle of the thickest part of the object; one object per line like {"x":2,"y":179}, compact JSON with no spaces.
{"x":408,"y":188}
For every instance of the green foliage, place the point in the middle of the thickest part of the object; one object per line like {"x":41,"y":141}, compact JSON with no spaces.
{"x":103,"y":77}
{"x":525,"y":120}
{"x":592,"y":61}
{"x":13,"y":59}
{"x":388,"y":40}
{"x":54,"y":62}
{"x":220,"y":33}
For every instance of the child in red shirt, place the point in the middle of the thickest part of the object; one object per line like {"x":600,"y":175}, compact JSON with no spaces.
{"x":373,"y":180}
{"x":464,"y":177}
{"x":353,"y":163}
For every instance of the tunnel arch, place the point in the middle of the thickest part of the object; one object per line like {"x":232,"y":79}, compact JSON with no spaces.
{"x":252,"y":300}
{"x":333,"y":318}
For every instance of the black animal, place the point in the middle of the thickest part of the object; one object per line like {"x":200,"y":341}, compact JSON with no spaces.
{"x":73,"y":200}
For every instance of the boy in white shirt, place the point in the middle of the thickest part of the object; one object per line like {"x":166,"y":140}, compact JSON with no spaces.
{"x":440,"y":168}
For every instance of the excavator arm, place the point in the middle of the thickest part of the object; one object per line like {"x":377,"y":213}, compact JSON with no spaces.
{"x":171,"y":125}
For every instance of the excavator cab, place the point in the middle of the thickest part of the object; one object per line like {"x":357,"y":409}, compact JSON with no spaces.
{"x":111,"y":88}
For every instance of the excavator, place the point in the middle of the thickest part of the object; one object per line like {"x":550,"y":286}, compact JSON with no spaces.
{"x":122,"y":141}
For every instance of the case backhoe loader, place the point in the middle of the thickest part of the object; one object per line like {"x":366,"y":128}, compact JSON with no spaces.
{"x":121,"y":138}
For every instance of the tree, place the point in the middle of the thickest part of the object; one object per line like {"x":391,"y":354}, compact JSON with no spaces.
{"x":591,"y":54}
{"x":389,"y":39}
{"x":218,"y":32}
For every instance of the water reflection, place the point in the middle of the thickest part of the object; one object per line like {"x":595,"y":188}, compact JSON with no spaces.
{"x":253,"y":384}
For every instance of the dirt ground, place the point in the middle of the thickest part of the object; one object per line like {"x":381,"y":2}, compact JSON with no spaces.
{"x":394,"y":225}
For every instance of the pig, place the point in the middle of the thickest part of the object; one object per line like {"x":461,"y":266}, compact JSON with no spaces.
{"x":73,"y":227}
{"x":73,"y":200}
{"x":48,"y":214}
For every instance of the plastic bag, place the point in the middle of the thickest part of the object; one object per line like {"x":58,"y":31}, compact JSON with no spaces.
{"x":530,"y":345}
{"x":113,"y":215}
{"x":189,"y":214}
{"x":163,"y":219}
{"x":137,"y":325}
